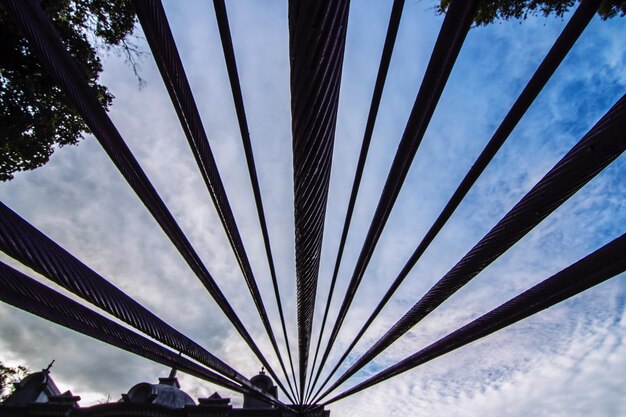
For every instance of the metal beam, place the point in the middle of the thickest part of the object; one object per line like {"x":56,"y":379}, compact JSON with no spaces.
{"x":594,"y":152}
{"x":566,"y":40}
{"x":159,"y":36}
{"x":317,"y":33}
{"x":601,"y":265}
{"x":453,"y":31}
{"x":385,"y":60}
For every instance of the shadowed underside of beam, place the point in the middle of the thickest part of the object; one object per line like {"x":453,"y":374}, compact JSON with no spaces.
{"x":161,"y":40}
{"x":27,"y":294}
{"x":594,"y":152}
{"x":549,"y":65}
{"x":317,"y":33}
{"x":601,"y":265}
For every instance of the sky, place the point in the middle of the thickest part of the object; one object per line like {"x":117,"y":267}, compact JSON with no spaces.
{"x":566,"y":361}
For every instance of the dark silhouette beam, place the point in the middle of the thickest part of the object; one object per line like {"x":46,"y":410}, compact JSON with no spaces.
{"x":317,"y":33}
{"x":390,"y":40}
{"x":594,"y":152}
{"x":159,"y":36}
{"x":577,"y":24}
{"x":601,"y":265}
{"x":454,"y":29}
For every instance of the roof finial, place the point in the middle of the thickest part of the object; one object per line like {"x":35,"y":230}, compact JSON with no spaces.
{"x":49,"y":366}
{"x":262,"y":370}
{"x":173,"y":371}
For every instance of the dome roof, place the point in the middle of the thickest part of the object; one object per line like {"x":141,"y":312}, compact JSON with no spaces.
{"x":168,"y":395}
{"x":262,"y":381}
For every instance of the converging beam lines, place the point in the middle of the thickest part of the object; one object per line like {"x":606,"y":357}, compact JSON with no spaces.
{"x":231,"y":66}
{"x":24,"y":243}
{"x":566,"y":40}
{"x":594,"y":152}
{"x":48,"y":46}
{"x":601,"y":265}
{"x":29,"y":295}
{"x":317,"y":36}
{"x":390,"y":40}
{"x":451,"y":37}
{"x":317,"y":33}
{"x":159,"y":36}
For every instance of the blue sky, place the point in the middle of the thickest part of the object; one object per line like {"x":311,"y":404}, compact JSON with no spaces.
{"x":569,"y":360}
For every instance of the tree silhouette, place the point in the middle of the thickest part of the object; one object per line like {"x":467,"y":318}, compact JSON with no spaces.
{"x":9,"y":375}
{"x":35,"y":116}
{"x":491,"y":10}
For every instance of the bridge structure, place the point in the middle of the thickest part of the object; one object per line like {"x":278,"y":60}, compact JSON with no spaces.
{"x":306,"y":376}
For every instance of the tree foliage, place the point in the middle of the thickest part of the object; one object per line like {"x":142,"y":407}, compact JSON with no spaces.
{"x":35,"y":116}
{"x":491,"y":10}
{"x":8,"y":376}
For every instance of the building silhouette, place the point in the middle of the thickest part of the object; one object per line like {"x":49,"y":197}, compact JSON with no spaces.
{"x":38,"y":396}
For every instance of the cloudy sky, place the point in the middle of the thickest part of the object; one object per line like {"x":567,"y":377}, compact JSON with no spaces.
{"x":566,"y":361}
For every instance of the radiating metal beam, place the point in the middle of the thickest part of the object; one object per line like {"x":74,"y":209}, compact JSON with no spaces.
{"x":161,"y":40}
{"x":317,"y":34}
{"x":601,"y":265}
{"x":453,"y":31}
{"x":594,"y":152}
{"x":46,"y":43}
{"x":566,"y":40}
